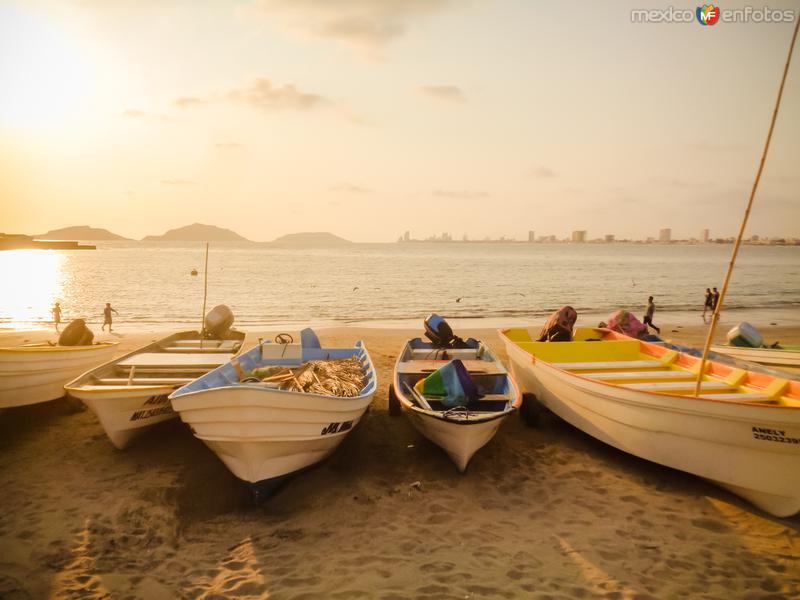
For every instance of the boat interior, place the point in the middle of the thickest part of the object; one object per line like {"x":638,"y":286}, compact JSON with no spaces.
{"x":420,"y":358}
{"x":175,"y":360}
{"x":287,"y":355}
{"x":610,"y":357}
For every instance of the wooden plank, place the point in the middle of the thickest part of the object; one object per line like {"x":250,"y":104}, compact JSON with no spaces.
{"x":474,"y":367}
{"x":614,"y":364}
{"x":164,"y":359}
{"x":145,"y":381}
{"x":623,"y":375}
{"x":735,"y":396}
{"x":670,"y":386}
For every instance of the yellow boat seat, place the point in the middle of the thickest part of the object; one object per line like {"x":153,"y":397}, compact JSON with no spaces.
{"x":613,"y":364}
{"x":641,"y":375}
{"x":678,"y":386}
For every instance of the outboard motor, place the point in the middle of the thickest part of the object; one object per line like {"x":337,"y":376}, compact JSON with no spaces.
{"x":218,"y":321}
{"x":439,"y":332}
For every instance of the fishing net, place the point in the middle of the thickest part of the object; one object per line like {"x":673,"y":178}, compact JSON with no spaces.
{"x":341,"y":377}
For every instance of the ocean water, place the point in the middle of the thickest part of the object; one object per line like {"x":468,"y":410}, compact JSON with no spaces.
{"x":388,"y":284}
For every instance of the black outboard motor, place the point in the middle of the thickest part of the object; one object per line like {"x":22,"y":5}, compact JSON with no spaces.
{"x":439,"y":332}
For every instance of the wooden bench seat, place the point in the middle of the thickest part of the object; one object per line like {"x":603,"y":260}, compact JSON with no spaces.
{"x":678,"y":386}
{"x":144,"y":381}
{"x":736,"y":396}
{"x":168,"y":360}
{"x":650,"y":375}
{"x":474,"y":367}
{"x":614,"y":364}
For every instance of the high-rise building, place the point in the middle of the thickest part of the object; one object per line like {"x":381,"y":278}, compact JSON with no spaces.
{"x":609,"y":238}
{"x":406,"y":236}
{"x":665,"y":235}
{"x":705,"y":236}
{"x":579,"y":236}
{"x":531,"y":236}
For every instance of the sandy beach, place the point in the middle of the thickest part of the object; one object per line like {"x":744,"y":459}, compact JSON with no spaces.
{"x":541,"y":513}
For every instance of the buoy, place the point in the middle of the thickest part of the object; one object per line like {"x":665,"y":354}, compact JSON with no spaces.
{"x":194,"y":272}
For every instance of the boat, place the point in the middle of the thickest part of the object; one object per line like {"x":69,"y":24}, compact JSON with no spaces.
{"x":460,"y":430}
{"x":129,"y":394}
{"x":34,"y":373}
{"x":741,"y":432}
{"x":265,"y":433}
{"x":786,"y":355}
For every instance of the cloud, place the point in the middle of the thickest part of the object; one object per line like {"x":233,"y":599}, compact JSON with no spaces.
{"x":177,"y":182}
{"x":263,"y":95}
{"x":364,"y":24}
{"x":349,"y":188}
{"x":187,"y":101}
{"x":451,"y":93}
{"x":461,"y":194}
{"x":133,"y":113}
{"x":542,"y":172}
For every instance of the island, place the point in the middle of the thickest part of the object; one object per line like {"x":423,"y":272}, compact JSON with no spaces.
{"x":197,"y":232}
{"x":81,"y":232}
{"x":308,"y":238}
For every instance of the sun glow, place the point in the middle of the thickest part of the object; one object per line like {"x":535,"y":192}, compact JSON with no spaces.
{"x":44,"y":78}
{"x":32,"y":284}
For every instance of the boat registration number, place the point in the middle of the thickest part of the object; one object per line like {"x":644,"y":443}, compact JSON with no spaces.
{"x":337,"y":427}
{"x":774,"y":435}
{"x":153,"y":407}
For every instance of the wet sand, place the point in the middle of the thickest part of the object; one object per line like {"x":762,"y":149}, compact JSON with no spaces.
{"x":541,"y":513}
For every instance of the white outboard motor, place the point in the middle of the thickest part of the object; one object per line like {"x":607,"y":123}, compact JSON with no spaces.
{"x":218,"y":321}
{"x":745,"y":335}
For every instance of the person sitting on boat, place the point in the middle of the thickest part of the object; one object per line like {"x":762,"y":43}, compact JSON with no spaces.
{"x":559,"y":327}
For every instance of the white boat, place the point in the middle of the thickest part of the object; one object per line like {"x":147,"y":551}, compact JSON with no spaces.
{"x":741,"y":432}
{"x":265,"y":434}
{"x":783,"y":356}
{"x":129,"y":394}
{"x":463,"y":430}
{"x":37,"y":372}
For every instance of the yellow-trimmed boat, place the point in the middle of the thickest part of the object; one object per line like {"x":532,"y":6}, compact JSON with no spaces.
{"x":742,"y":431}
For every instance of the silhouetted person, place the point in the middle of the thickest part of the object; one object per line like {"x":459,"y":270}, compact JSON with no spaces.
{"x":107,"y":316}
{"x":648,"y":317}
{"x":709,"y":303}
{"x":714,"y":300}
{"x":56,"y":310}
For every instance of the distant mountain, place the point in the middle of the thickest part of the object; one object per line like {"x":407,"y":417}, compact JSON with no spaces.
{"x":79,"y":232}
{"x":317,"y":238}
{"x":197,"y":233}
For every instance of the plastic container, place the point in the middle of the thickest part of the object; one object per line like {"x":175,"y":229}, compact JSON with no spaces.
{"x":745,"y":336}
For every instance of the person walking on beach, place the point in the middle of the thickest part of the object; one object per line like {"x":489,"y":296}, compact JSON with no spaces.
{"x":107,"y":316}
{"x":708,"y":303}
{"x":648,"y":317}
{"x":56,"y":310}
{"x":714,"y":300}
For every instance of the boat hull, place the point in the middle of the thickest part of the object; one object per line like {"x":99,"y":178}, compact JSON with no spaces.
{"x":127,"y":411}
{"x":126,"y":414}
{"x":33,"y":375}
{"x":460,"y":440}
{"x":746,"y":449}
{"x":264,"y":436}
{"x":764,"y":356}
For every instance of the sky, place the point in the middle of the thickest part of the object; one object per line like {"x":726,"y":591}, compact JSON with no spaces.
{"x":367,"y":118}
